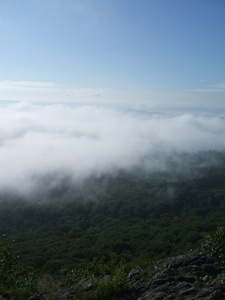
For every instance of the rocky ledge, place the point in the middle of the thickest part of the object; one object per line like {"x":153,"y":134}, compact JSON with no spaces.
{"x":184,"y":277}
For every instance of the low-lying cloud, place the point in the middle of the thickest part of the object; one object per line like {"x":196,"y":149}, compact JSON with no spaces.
{"x":67,"y":141}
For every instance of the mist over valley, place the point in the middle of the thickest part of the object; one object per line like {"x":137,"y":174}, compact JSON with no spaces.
{"x":46,"y":146}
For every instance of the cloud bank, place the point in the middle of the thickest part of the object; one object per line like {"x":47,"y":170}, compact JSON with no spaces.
{"x":37,"y":141}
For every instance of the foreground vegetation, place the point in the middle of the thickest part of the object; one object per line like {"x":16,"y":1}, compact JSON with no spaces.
{"x":121,"y":220}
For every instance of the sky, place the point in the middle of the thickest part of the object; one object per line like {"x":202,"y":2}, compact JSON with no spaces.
{"x":93,"y":86}
{"x":133,"y":53}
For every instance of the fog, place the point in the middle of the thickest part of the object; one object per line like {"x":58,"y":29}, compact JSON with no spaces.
{"x":61,"y":141}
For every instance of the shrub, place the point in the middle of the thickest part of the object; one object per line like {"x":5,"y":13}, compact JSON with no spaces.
{"x":50,"y":288}
{"x":214,"y":244}
{"x":105,"y":289}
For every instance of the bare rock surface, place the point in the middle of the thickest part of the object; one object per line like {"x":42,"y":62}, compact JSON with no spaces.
{"x":185,"y":277}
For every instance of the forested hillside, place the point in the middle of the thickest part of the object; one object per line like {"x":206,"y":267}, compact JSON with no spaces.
{"x":129,"y":214}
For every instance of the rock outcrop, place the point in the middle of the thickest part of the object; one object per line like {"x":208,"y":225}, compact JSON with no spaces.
{"x":185,"y":277}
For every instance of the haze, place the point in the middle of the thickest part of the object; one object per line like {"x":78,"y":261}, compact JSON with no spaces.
{"x":76,"y":142}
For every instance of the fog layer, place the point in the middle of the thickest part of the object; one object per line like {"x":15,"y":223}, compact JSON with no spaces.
{"x":65,"y":141}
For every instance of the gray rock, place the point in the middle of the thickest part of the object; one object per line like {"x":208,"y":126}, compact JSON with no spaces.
{"x":184,"y":277}
{"x":84,"y":285}
{"x":7,"y":297}
{"x":137,"y":270}
{"x":36,"y":297}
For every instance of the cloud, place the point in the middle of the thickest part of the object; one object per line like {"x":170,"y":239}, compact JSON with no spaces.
{"x":216,"y":88}
{"x":67,"y":141}
{"x":46,"y":92}
{"x":42,"y":92}
{"x":8,"y":83}
{"x":220,"y":85}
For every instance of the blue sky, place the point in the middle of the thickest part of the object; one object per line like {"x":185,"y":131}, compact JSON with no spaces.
{"x":131,"y":52}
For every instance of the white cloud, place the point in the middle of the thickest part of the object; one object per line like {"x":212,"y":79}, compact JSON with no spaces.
{"x":216,"y":88}
{"x":50,"y":92}
{"x":38,"y":140}
{"x":11,"y":84}
{"x":220,"y":85}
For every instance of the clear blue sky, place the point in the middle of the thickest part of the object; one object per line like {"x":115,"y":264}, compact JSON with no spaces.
{"x":133,"y":51}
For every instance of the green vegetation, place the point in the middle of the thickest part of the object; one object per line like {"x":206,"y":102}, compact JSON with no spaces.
{"x":214,"y":244}
{"x":15,"y":278}
{"x":107,"y":224}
